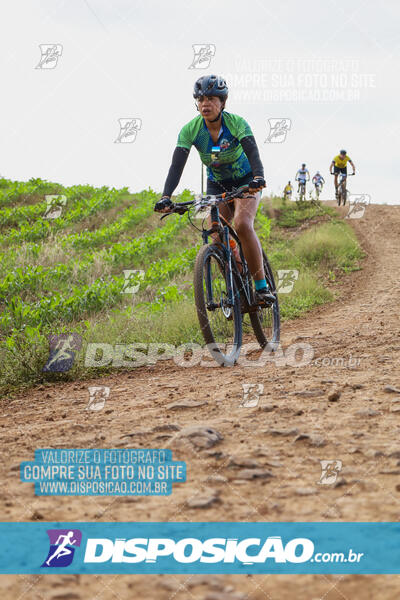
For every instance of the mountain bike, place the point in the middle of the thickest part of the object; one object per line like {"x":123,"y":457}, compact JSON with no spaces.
{"x":318,"y":189}
{"x":342,"y":192}
{"x":224,"y":291}
{"x":302,"y":191}
{"x":287,"y":195}
{"x":314,"y":199}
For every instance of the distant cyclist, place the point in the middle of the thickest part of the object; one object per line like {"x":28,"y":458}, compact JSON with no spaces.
{"x":287,"y":191}
{"x":339,"y":165}
{"x":302,"y":175}
{"x":227,"y":147}
{"x":318,"y":180}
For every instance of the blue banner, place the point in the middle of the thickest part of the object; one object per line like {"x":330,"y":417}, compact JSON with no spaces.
{"x":236,"y":548}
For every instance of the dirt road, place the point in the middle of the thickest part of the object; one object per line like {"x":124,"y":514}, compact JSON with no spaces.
{"x":324,"y":410}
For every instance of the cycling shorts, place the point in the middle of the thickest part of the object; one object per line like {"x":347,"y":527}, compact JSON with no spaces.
{"x":340,"y":170}
{"x":218,"y":187}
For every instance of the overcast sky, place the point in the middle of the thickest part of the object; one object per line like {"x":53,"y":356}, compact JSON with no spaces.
{"x":331,"y":68}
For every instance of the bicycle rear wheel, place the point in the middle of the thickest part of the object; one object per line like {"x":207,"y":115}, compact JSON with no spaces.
{"x":220,"y":322}
{"x":266,"y":320}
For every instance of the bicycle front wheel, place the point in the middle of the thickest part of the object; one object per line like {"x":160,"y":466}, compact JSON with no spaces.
{"x":220,"y":319}
{"x":266,"y":320}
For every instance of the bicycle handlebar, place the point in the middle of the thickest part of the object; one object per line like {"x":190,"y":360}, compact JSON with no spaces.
{"x":182,"y":207}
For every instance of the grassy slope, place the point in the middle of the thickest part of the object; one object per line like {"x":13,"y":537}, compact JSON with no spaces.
{"x":164,"y":311}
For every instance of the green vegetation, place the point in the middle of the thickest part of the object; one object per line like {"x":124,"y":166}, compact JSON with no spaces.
{"x":33,"y":225}
{"x":307,"y":293}
{"x":67,"y":274}
{"x":332,"y":245}
{"x":321,"y":253}
{"x":292,"y":214}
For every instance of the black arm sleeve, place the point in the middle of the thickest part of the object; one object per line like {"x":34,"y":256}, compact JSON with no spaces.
{"x":249,"y":146}
{"x":179,"y":159}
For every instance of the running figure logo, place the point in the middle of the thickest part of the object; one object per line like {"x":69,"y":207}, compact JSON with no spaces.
{"x":54,"y":206}
{"x":98,"y":397}
{"x":203,"y":54}
{"x":357,"y":205}
{"x":330,"y":470}
{"x":62,"y":352}
{"x":133,"y":277}
{"x":50,"y":53}
{"x":278,"y":129}
{"x":251,"y":394}
{"x":201,"y":212}
{"x":286,"y":280}
{"x":61,"y":551}
{"x":128,"y":129}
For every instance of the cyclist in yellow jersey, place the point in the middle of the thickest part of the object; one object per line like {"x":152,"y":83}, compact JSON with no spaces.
{"x":339,"y":165}
{"x":287,"y":191}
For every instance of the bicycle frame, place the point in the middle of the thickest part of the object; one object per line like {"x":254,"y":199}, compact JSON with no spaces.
{"x":341,"y":190}
{"x":301,"y":189}
{"x":342,"y":180}
{"x":225,"y":231}
{"x":221,"y":226}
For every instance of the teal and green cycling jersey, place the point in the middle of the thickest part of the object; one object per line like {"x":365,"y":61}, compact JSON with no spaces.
{"x":230,"y":162}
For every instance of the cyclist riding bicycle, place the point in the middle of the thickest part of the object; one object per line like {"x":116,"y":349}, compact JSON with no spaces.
{"x":318,"y":180}
{"x":302,"y":175}
{"x":339,"y":165}
{"x":227,"y":147}
{"x":287,"y":191}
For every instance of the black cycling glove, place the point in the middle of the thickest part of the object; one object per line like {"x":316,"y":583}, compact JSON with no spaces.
{"x":165,"y":202}
{"x":257,"y":183}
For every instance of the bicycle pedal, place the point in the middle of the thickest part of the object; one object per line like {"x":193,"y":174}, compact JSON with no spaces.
{"x":265,"y":303}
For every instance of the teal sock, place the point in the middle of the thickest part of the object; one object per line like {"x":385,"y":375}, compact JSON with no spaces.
{"x":260,"y":284}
